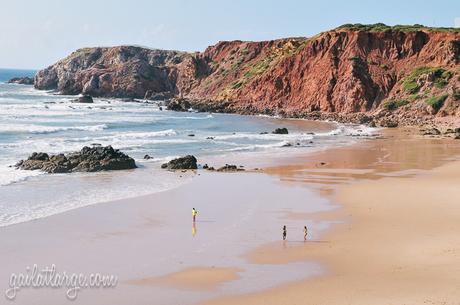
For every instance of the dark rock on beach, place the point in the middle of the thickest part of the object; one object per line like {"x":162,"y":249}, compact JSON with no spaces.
{"x":88,"y":159}
{"x":230,"y":168}
{"x":280,"y":131}
{"x":187,"y":162}
{"x":178,"y":104}
{"x":388,"y":122}
{"x":432,"y":132}
{"x":86,"y":99}
{"x":22,"y":80}
{"x":157,"y":96}
{"x":455,"y":133}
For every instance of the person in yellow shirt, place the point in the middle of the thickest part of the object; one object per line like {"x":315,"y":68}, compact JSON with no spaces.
{"x":194,"y":213}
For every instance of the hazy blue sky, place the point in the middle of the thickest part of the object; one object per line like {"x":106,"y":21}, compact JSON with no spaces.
{"x":36,"y":33}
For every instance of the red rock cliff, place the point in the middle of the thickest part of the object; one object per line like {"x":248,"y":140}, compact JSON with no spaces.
{"x":353,"y":68}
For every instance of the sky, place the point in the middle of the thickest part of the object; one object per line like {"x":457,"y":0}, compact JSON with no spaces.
{"x":35,"y":34}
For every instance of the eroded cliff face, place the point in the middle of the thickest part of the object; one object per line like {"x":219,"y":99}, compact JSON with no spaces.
{"x":345,"y":70}
{"x":123,"y":71}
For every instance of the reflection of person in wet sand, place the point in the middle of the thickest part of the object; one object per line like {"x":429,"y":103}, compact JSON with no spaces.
{"x":193,"y":229}
{"x":305,"y":233}
{"x":284,"y":232}
{"x":194,"y":213}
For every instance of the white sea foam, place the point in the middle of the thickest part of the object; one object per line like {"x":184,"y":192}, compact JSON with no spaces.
{"x":41,"y":129}
{"x":10,"y":175}
{"x":258,"y":146}
{"x":83,"y":193}
{"x":268,"y":136}
{"x":32,"y":121}
{"x":350,"y":130}
{"x":149,"y":134}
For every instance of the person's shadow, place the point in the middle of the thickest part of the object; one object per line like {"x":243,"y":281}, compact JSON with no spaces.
{"x":193,"y":229}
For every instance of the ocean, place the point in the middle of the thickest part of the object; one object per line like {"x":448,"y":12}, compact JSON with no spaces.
{"x":40,"y":121}
{"x":7,"y":74}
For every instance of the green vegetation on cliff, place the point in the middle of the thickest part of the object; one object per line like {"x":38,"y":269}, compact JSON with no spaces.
{"x":286,"y":49}
{"x":436,"y":101}
{"x":394,"y":104}
{"x":439,"y":76}
{"x":456,"y":95}
{"x":381,"y":27}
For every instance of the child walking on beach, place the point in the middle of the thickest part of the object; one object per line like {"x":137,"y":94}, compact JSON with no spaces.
{"x":284,"y":232}
{"x":305,"y":233}
{"x":194,"y":213}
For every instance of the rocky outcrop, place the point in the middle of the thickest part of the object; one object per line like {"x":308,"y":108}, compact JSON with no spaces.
{"x":187,"y":162}
{"x":124,"y":71}
{"x":89,"y":159}
{"x":404,"y":73}
{"x":22,"y":80}
{"x":179,"y":104}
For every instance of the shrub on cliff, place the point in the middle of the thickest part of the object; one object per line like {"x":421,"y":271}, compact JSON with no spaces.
{"x":237,"y":84}
{"x":442,"y":80}
{"x":394,"y":104}
{"x":456,"y":95}
{"x":381,"y":27}
{"x":436,"y":101}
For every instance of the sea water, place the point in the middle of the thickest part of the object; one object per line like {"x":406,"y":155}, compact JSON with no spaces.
{"x":40,"y":121}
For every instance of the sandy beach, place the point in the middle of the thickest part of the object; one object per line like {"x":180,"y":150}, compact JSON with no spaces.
{"x":382,"y":218}
{"x":399,"y":244}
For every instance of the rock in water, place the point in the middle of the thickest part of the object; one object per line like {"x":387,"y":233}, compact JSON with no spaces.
{"x":280,"y":131}
{"x":22,"y":80}
{"x":86,"y":99}
{"x":187,"y":162}
{"x":89,"y":159}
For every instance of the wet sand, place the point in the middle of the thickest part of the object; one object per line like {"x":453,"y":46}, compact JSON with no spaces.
{"x":157,"y":253}
{"x":201,"y":278}
{"x":377,"y":233}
